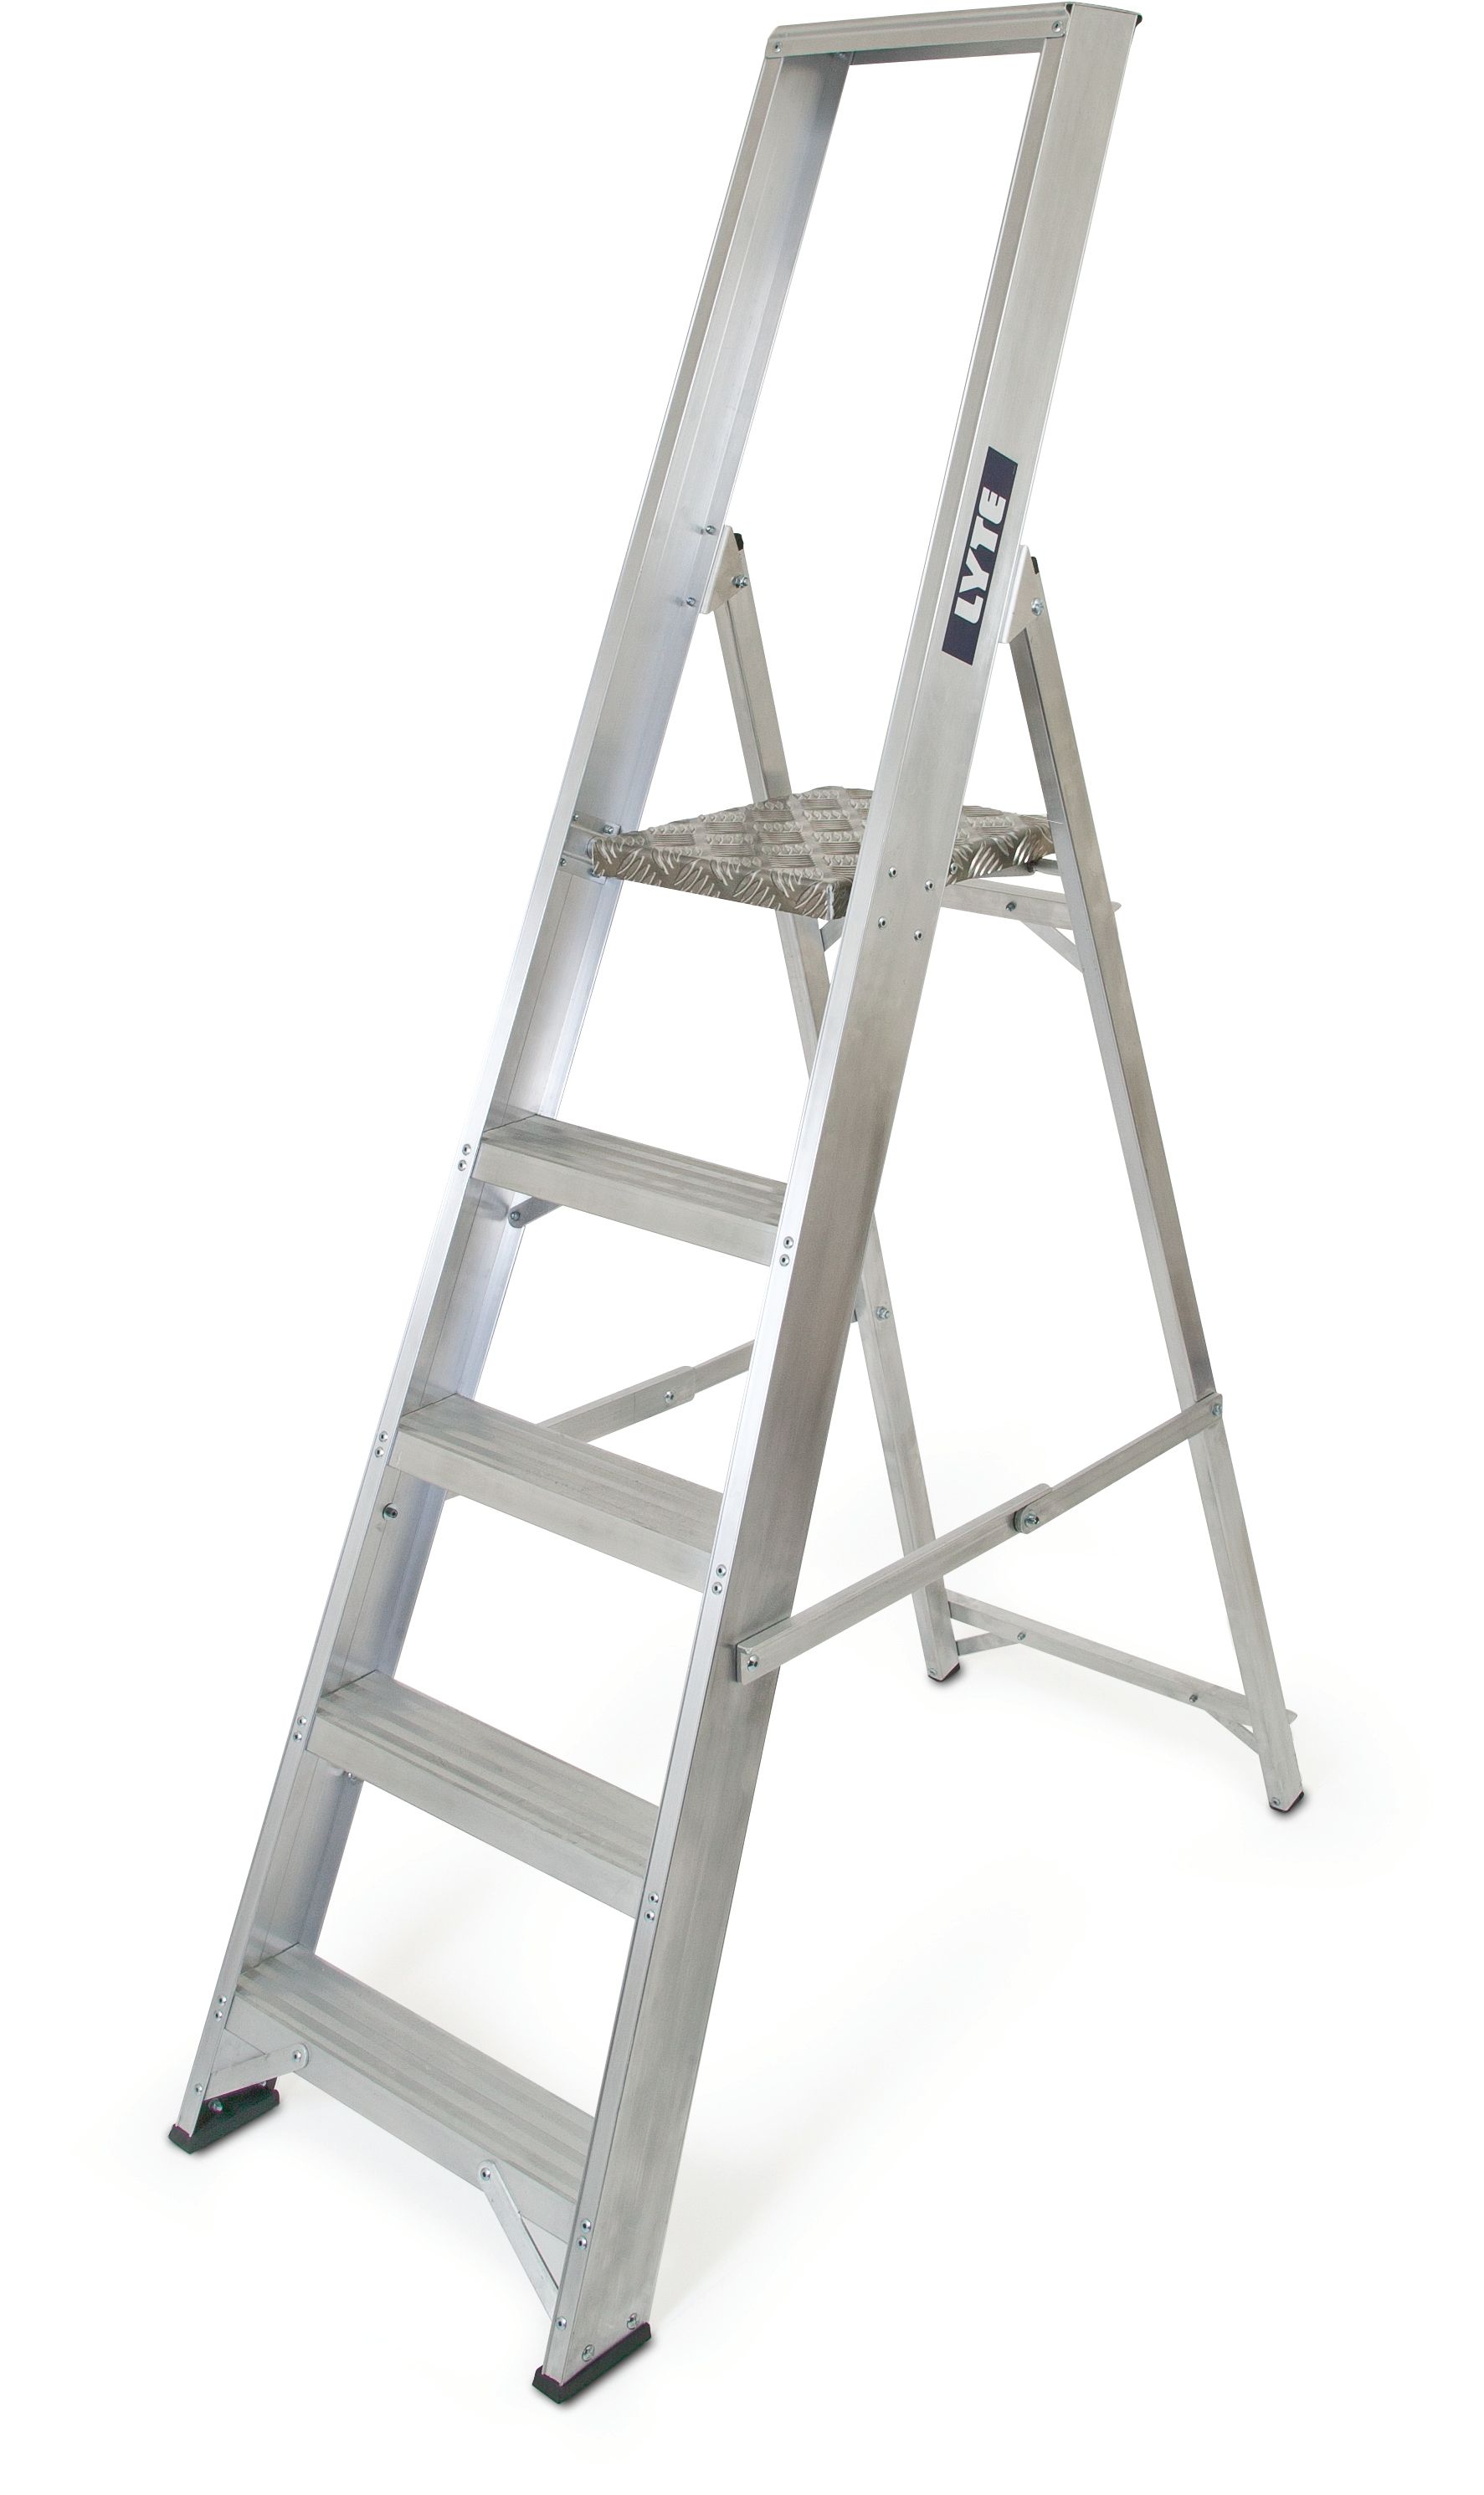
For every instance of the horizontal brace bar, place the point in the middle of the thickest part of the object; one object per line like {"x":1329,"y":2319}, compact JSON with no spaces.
{"x":994,"y":896}
{"x":1011,"y":1628}
{"x":653,"y":1395}
{"x":769,"y":1647}
{"x":950,"y":35}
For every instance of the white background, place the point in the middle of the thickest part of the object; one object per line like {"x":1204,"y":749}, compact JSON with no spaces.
{"x":1067,"y":2120}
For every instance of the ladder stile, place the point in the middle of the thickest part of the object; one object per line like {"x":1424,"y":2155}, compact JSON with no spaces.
{"x":855,"y":878}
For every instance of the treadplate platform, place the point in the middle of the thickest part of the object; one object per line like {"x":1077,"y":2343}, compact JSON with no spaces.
{"x":798,"y":854}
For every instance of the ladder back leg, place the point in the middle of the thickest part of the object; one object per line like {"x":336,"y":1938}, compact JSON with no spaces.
{"x":734,"y":601}
{"x":1095,"y":927}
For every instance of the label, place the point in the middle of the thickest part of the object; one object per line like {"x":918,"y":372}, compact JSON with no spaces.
{"x":978,"y":568}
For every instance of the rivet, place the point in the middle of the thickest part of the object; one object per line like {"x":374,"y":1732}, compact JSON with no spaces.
{"x":487,"y":2174}
{"x":389,"y":1514}
{"x":649,"y":1915}
{"x":590,"y":2350}
{"x":881,"y":922}
{"x":721,"y":1567}
{"x":1195,"y":1698}
{"x":562,"y":2324}
{"x":1012,"y":904}
{"x":691,"y":602}
{"x":215,"y":2107}
{"x":654,"y":1902}
{"x":752,"y":1663}
{"x":669,"y":1395}
{"x":1020,"y":1637}
{"x":514,"y":1219}
{"x":785,"y":1260}
{"x":708,"y":528}
{"x":927,"y":887}
{"x":632,"y":2319}
{"x":199,"y":2089}
{"x":739,"y":580}
{"x":1216,"y":1410}
{"x":884,"y":1315}
{"x":918,"y":935}
{"x":298,"y":2055}
{"x":788,"y":1242}
{"x":1037,"y":607}
{"x":891,"y":875}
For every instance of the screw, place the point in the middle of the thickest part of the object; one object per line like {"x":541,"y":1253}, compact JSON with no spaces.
{"x":632,"y":2319}
{"x":739,"y":580}
{"x":752,"y":1663}
{"x":1012,"y":904}
{"x":1216,"y":1410}
{"x":1195,"y":1697}
{"x":669,"y":1395}
{"x":884,"y":1315}
{"x":1028,"y":1521}
{"x":590,"y":2350}
{"x":389,"y":1514}
{"x":1020,"y":1637}
{"x":1037,"y":607}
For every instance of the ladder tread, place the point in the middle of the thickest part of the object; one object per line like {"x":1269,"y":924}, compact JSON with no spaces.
{"x":611,"y":1503}
{"x":799,"y":853}
{"x":701,"y":1202}
{"x":540,"y":1809}
{"x":477,"y":2108}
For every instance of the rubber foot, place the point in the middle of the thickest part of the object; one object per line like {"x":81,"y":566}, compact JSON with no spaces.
{"x":1282,"y":1809}
{"x":586,"y":2374}
{"x":223,"y":2115}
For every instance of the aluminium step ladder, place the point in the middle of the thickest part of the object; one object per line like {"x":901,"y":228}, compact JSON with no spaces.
{"x":859,"y":875}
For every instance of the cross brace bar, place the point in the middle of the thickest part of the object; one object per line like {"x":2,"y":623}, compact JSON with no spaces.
{"x":767,"y":1649}
{"x":1229,"y":1706}
{"x":651,"y":1395}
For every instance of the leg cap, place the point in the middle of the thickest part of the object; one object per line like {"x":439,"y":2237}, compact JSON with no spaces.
{"x":223,"y":2115}
{"x":602,"y":2364}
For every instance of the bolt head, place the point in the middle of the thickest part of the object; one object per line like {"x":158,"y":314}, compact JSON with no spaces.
{"x":884,"y":1315}
{"x":1037,"y":607}
{"x":589,"y":2349}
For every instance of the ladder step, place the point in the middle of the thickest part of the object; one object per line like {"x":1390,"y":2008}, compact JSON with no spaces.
{"x":795,"y":853}
{"x":439,"y":2095}
{"x":699,"y":1201}
{"x":542,"y":1809}
{"x":609,"y":1503}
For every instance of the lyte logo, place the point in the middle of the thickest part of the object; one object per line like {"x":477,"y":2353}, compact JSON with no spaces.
{"x":976,"y":567}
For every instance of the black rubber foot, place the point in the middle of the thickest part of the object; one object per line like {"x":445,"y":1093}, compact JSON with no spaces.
{"x":222,"y":2114}
{"x":1284,"y":1808}
{"x":602,"y":2364}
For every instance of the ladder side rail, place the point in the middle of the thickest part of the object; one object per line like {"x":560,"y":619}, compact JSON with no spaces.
{"x":804,"y":956}
{"x":608,"y":2277}
{"x":1099,"y":952}
{"x":613,"y":757}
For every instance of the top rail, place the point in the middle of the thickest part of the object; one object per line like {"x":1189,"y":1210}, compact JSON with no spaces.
{"x":937,"y":35}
